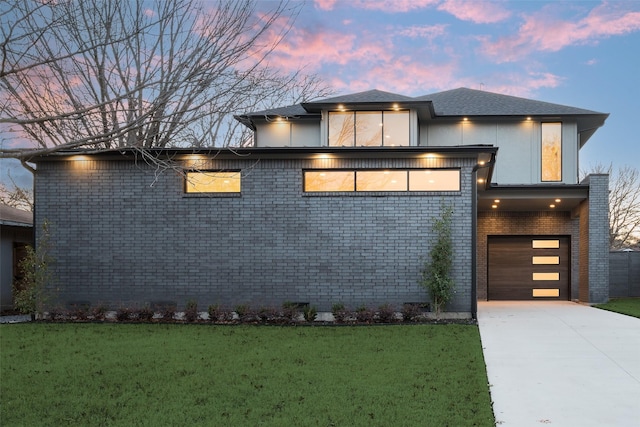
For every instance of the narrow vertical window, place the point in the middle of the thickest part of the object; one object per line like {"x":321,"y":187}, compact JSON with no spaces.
{"x":551,"y":152}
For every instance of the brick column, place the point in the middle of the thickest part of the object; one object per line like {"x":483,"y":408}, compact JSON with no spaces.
{"x":595,"y":251}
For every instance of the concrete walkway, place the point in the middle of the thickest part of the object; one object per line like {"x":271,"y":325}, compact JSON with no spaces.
{"x":561,"y":364}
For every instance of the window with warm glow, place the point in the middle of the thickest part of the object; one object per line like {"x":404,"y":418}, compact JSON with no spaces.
{"x":551,"y":152}
{"x":434,"y":180}
{"x":212,"y":182}
{"x":368,"y":128}
{"x":382,"y":180}
{"x":320,"y":181}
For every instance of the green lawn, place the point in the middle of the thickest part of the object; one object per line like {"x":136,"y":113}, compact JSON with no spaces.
{"x":169,"y":375}
{"x":628,"y":306}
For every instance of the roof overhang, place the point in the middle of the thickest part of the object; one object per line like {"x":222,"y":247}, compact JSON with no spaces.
{"x":484,"y":153}
{"x":518,"y":198}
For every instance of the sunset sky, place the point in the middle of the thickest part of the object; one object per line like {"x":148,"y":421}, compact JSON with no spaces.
{"x":580,"y":53}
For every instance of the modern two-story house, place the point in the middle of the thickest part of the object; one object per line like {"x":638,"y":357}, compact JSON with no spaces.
{"x":334,"y":203}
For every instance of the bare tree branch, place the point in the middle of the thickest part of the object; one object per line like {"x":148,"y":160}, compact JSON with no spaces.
{"x":146,"y":74}
{"x":624,"y":204}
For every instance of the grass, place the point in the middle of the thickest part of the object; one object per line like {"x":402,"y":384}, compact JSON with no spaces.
{"x":159,"y":374}
{"x":628,"y":306}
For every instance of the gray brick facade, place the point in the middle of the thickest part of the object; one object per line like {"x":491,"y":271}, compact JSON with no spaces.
{"x":594,"y":241}
{"x":126,"y":235}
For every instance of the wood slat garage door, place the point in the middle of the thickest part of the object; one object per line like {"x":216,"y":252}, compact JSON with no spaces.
{"x":528,"y":267}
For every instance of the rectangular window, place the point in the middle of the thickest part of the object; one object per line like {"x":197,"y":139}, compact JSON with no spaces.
{"x":398,"y":180}
{"x":321,"y":181}
{"x":368,"y":128}
{"x":551,"y":152}
{"x":545,"y":260}
{"x":546,"y":292}
{"x":341,"y":128}
{"x":545,"y":244}
{"x":212,"y":182}
{"x":434,"y":180}
{"x":546,"y":276}
{"x":381,"y":180}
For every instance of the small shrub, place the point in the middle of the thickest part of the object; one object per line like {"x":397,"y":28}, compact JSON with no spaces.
{"x":145,"y":314}
{"x":168,"y":312}
{"x":219,"y":314}
{"x":411,"y":312}
{"x":290,"y":311}
{"x":99,"y":312}
{"x":386,"y":313}
{"x":365,"y":314}
{"x":269,"y":314}
{"x":214,"y":312}
{"x":245,"y":313}
{"x":57,"y":313}
{"x":191,"y":311}
{"x":310,"y":313}
{"x":79,"y":313}
{"x":340,"y":313}
{"x":124,"y":314}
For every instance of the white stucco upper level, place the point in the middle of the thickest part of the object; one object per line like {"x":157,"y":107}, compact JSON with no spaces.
{"x":538,"y":142}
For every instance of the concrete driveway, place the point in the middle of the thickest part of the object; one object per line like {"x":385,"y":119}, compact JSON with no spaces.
{"x":561,"y":364}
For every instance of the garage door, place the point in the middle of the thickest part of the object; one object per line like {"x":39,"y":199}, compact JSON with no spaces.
{"x":528,"y":267}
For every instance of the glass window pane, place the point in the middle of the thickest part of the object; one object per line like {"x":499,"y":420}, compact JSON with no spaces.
{"x":315,"y":181}
{"x":546,"y":276}
{"x":396,"y":128}
{"x":213,"y":182}
{"x":341,"y":128}
{"x":545,"y":260}
{"x":381,"y":181}
{"x":551,"y":152}
{"x":369,"y":128}
{"x":434,"y":180}
{"x":545,"y":244}
{"x":546,"y":292}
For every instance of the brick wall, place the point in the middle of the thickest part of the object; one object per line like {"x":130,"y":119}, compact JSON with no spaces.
{"x":598,"y":230}
{"x":126,"y":236}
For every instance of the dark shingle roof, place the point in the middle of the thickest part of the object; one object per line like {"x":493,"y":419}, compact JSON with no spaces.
{"x":364,"y":97}
{"x":15,"y":217}
{"x":470,"y":102}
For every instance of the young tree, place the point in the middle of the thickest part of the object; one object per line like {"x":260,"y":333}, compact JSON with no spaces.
{"x":436,"y":275}
{"x":624,"y":205}
{"x":141,"y":73}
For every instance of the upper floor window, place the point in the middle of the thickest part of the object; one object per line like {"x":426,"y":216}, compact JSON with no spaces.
{"x":381,"y":180}
{"x":368,"y":128}
{"x":551,"y":152}
{"x":212,"y":182}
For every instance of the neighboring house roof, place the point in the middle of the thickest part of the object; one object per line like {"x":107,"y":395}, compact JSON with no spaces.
{"x":10,"y":216}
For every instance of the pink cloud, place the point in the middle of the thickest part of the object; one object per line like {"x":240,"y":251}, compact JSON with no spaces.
{"x":543,"y":32}
{"x":326,"y":49}
{"x":392,"y":6}
{"x":325,"y":4}
{"x":479,"y":12}
{"x":426,"y":32}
